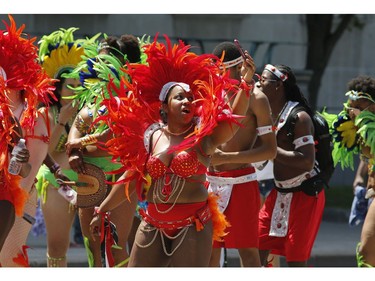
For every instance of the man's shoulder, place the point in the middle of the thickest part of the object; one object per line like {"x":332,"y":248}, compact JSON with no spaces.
{"x":258,"y":94}
{"x":298,"y":116}
{"x":259,"y":101}
{"x":299,"y":111}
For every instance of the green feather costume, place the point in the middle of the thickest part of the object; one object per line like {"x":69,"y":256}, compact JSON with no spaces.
{"x":344,"y":138}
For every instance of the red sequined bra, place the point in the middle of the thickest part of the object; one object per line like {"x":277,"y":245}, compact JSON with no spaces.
{"x":184,"y":165}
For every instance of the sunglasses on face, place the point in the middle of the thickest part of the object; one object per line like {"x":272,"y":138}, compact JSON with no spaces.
{"x":262,"y":80}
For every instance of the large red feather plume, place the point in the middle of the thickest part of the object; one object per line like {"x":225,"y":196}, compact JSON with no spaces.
{"x":19,"y":60}
{"x":135,"y":105}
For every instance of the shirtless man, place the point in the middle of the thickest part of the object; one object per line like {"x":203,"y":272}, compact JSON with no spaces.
{"x":290,"y":218}
{"x":231,"y":174}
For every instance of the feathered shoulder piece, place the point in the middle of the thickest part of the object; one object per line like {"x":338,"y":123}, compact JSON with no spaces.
{"x":134,"y":105}
{"x":22,"y":72}
{"x":365,"y":122}
{"x":344,"y":138}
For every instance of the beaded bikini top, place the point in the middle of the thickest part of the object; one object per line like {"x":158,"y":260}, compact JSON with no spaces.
{"x":184,"y":164}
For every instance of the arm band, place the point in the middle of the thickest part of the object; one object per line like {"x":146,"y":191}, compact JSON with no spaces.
{"x":87,"y":140}
{"x":265,"y":130}
{"x":309,"y":139}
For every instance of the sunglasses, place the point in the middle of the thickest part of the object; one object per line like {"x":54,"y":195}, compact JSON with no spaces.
{"x":262,"y":80}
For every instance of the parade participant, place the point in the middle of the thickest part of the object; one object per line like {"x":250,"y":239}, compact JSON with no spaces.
{"x":86,"y":135}
{"x":232,"y":176}
{"x":23,"y":85}
{"x":352,"y":131}
{"x":171,"y":151}
{"x":290,"y":218}
{"x":361,"y":109}
{"x":59,"y":54}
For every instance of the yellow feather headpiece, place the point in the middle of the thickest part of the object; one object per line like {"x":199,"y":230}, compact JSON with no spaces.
{"x":59,"y":52}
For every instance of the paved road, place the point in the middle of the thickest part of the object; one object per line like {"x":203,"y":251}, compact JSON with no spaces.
{"x":334,"y":247}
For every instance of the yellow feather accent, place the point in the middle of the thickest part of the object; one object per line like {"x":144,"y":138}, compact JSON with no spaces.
{"x":62,"y":58}
{"x":348,"y":125}
{"x":348,"y":138}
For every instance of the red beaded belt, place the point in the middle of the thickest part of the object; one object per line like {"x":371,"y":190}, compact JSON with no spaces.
{"x":201,"y":217}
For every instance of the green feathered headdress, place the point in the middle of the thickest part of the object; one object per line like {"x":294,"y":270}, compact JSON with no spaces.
{"x":58,"y":52}
{"x":95,"y":71}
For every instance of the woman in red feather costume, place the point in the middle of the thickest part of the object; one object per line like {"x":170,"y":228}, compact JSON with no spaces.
{"x":23,"y":85}
{"x":167,"y":123}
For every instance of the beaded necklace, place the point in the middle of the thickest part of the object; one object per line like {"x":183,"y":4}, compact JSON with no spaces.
{"x":178,"y":134}
{"x":279,"y":115}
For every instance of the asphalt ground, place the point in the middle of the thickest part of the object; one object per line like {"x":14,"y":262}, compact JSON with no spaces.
{"x":334,"y":246}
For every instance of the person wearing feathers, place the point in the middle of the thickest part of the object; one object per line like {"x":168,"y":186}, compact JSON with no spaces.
{"x":353,"y":133}
{"x":59,"y":54}
{"x":23,"y":85}
{"x":88,"y":134}
{"x":167,"y":123}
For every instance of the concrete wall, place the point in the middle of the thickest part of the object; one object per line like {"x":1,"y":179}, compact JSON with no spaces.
{"x":352,"y":56}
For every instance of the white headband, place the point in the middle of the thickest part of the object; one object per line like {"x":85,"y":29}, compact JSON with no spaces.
{"x":355,"y":95}
{"x":275,"y":71}
{"x":3,"y":74}
{"x":234,"y":62}
{"x":165,"y":90}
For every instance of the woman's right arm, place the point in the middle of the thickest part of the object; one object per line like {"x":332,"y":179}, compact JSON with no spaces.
{"x":116,"y":196}
{"x":74,"y":153}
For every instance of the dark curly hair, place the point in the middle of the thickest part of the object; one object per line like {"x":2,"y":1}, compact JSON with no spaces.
{"x":230,"y":49}
{"x":130,"y":47}
{"x":125,"y":45}
{"x":363,"y":83}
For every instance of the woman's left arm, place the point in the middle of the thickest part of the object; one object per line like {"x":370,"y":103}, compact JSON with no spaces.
{"x":38,"y":150}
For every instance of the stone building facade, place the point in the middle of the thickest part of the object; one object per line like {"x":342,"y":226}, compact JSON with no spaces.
{"x":271,"y":38}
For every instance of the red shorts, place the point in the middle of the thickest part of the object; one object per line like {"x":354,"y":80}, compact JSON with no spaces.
{"x":304,"y":220}
{"x":242,"y":212}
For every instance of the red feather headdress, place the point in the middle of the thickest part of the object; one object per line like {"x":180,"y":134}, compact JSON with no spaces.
{"x":19,"y":60}
{"x":135,"y":105}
